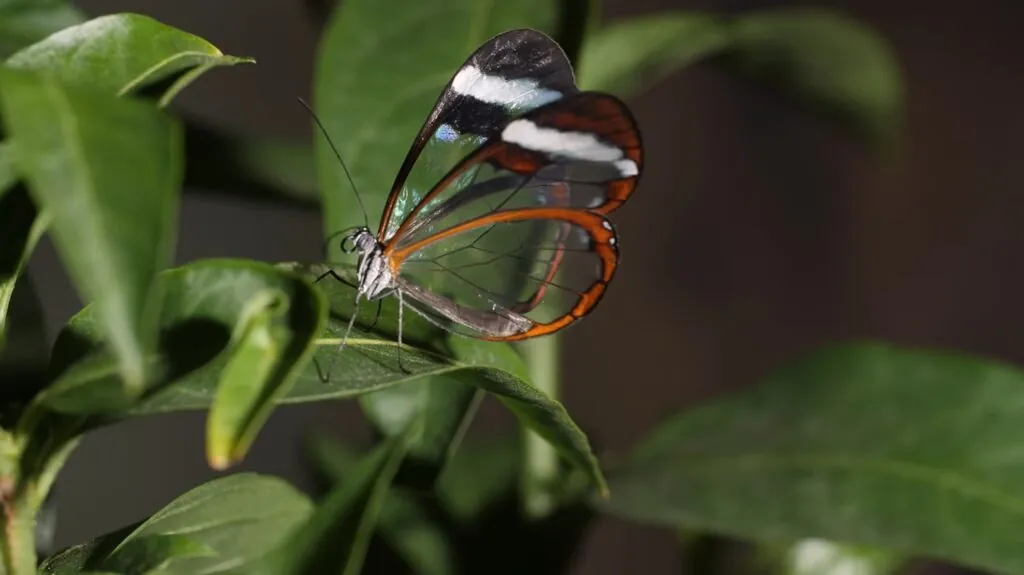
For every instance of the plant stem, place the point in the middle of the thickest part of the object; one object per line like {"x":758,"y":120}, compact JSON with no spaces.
{"x":19,"y":549}
{"x":17,"y":537}
{"x":540,"y":460}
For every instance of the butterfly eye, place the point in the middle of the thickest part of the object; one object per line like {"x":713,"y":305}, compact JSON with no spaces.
{"x":348,"y":244}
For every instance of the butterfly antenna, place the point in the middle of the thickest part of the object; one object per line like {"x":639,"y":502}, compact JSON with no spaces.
{"x":348,"y":175}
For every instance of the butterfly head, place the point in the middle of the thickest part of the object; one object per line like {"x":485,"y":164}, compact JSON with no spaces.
{"x":358,"y":240}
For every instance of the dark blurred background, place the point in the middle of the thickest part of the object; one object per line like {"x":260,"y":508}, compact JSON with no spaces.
{"x":758,"y":233}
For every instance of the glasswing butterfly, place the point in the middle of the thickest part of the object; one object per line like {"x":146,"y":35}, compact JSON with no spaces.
{"x":506,"y":186}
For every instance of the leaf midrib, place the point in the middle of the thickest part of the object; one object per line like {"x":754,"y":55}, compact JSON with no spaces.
{"x":111,"y":290}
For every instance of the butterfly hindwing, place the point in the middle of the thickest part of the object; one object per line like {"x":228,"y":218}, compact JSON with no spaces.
{"x":460,"y":278}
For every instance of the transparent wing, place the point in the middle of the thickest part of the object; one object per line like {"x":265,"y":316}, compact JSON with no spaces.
{"x":511,"y":274}
{"x":583,"y":151}
{"x":510,"y":74}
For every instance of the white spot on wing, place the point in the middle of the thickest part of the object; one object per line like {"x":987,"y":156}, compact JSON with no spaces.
{"x":627,"y":168}
{"x":606,"y":225}
{"x":577,"y":145}
{"x":497,"y":90}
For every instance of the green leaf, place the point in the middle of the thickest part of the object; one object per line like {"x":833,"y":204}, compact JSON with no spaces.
{"x":405,"y":522}
{"x":628,"y":56}
{"x":122,"y":53}
{"x":8,"y":177}
{"x":335,"y":538}
{"x":447,"y":407}
{"x":480,"y":475}
{"x":26,"y":353}
{"x":367,"y":55}
{"x":117,"y":54}
{"x":577,"y":19}
{"x":373,"y":365}
{"x":868,"y":444}
{"x":416,"y":536}
{"x":369,"y":363}
{"x":228,"y":525}
{"x":830,"y":63}
{"x":466,"y":522}
{"x":260,"y":369}
{"x":108,"y":172}
{"x":204,"y":304}
{"x":23,"y":22}
{"x":478,"y":490}
{"x":21,"y":228}
{"x":154,"y":552}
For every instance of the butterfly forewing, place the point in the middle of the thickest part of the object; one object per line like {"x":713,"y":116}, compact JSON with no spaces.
{"x":512,"y":73}
{"x":587,"y":142}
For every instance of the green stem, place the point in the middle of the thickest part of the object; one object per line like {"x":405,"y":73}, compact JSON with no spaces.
{"x":540,"y":460}
{"x":19,"y":548}
{"x":17,"y":538}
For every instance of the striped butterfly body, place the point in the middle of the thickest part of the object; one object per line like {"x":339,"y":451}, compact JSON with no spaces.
{"x":495,"y":226}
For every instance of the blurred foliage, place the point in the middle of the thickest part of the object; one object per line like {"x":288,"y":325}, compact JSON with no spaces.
{"x":858,"y":456}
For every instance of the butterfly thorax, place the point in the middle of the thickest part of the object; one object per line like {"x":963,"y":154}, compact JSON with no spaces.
{"x":375,"y":277}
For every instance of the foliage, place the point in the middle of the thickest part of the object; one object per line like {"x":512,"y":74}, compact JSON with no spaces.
{"x":891,"y":453}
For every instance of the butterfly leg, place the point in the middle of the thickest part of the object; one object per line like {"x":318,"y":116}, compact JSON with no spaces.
{"x":376,"y":317}
{"x":401,"y":307}
{"x":332,"y":273}
{"x":341,"y":345}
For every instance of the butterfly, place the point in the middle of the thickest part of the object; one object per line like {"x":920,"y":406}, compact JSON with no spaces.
{"x":496,"y":225}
